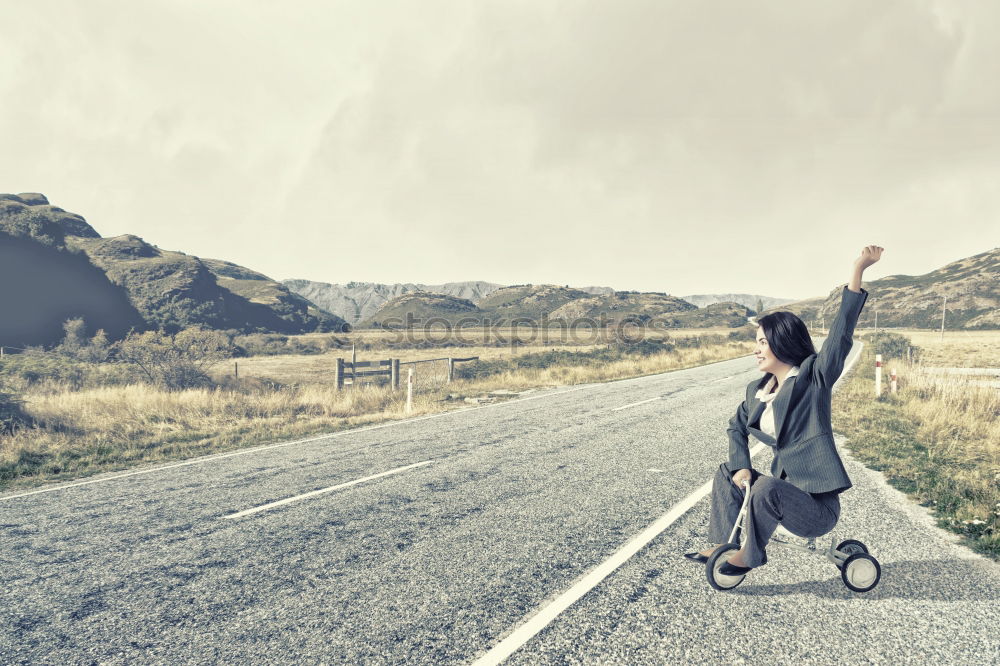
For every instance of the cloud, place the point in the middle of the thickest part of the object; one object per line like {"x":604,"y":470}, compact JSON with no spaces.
{"x":580,"y":142}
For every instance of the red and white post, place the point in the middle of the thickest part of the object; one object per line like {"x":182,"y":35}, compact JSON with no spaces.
{"x":409,"y":391}
{"x":892,"y":380}
{"x":878,"y":375}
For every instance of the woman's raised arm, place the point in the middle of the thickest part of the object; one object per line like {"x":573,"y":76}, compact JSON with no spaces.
{"x":840,"y":338}
{"x":869,"y":255}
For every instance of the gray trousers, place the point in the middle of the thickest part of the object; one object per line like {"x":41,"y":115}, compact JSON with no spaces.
{"x":772,"y":501}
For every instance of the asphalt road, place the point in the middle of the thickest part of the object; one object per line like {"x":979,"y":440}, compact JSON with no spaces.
{"x":438,"y":562}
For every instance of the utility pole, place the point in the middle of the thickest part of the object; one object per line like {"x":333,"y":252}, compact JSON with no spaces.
{"x":876,"y":331}
{"x":943,"y":307}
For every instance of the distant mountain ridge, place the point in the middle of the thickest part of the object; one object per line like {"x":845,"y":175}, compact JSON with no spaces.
{"x":971,"y":284}
{"x":356,"y":301}
{"x":537,"y":304}
{"x":748,"y":300}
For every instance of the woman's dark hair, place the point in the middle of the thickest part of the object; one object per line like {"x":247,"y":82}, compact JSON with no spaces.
{"x":787,"y":337}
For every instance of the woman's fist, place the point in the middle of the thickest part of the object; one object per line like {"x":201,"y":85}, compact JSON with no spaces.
{"x":869,"y":255}
{"x":740,"y":476}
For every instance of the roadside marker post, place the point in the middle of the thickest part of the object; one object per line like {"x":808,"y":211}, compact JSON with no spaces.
{"x":878,"y":375}
{"x":409,"y":391}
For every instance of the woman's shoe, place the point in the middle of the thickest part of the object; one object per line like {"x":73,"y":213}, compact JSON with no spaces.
{"x":728,"y":569}
{"x":696,"y":556}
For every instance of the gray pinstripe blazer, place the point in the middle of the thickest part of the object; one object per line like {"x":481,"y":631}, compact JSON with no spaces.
{"x":804,"y":448}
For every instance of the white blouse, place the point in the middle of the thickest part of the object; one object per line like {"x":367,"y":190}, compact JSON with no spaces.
{"x":765,"y":395}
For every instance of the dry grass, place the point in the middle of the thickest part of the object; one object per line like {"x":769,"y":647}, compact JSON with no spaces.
{"x":958,"y":349}
{"x":321,"y":368}
{"x":113,"y":428}
{"x":938,"y":437}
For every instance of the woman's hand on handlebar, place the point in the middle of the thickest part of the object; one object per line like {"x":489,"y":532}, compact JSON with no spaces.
{"x":740,"y":476}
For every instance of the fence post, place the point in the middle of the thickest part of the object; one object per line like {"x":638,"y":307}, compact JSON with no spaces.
{"x":236,"y":369}
{"x":394,"y":373}
{"x":451,"y":369}
{"x":340,"y":373}
{"x":409,"y":391}
{"x":354,"y":366}
{"x":878,"y":375}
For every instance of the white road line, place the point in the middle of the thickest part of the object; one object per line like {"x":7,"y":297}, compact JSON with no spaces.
{"x":590,"y":580}
{"x":331,"y":435}
{"x":265,"y":507}
{"x":721,"y":380}
{"x":643,"y":402}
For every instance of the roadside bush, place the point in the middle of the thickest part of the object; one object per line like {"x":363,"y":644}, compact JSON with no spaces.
{"x":892,"y":345}
{"x":273,"y":344}
{"x":483,"y":368}
{"x":646,"y":347}
{"x":34,"y":367}
{"x":11,"y":416}
{"x":561,"y":357}
{"x":76,"y":345}
{"x":175,"y":362}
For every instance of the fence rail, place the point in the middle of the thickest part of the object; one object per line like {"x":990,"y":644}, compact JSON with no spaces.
{"x":349,"y":369}
{"x":8,"y":348}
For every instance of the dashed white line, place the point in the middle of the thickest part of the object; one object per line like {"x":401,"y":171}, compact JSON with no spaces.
{"x":265,"y":507}
{"x":523,"y":633}
{"x":643,"y":402}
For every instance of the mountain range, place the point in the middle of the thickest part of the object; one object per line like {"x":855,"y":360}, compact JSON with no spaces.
{"x":55,"y":266}
{"x":358,"y":302}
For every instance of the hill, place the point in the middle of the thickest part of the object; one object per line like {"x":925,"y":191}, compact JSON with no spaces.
{"x":64,"y":269}
{"x":422,"y":308}
{"x":47,"y":281}
{"x":529,"y":301}
{"x":620,"y":305}
{"x":972,"y":286}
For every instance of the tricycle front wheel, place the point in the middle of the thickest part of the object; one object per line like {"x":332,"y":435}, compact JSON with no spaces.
{"x":718,"y":558}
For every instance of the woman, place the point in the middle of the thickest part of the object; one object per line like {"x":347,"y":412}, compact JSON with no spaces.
{"x":789,"y":410}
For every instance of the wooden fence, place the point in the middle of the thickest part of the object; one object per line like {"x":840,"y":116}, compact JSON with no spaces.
{"x":350,"y":369}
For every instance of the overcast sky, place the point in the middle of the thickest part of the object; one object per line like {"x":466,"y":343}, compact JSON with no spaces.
{"x":685,"y":147}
